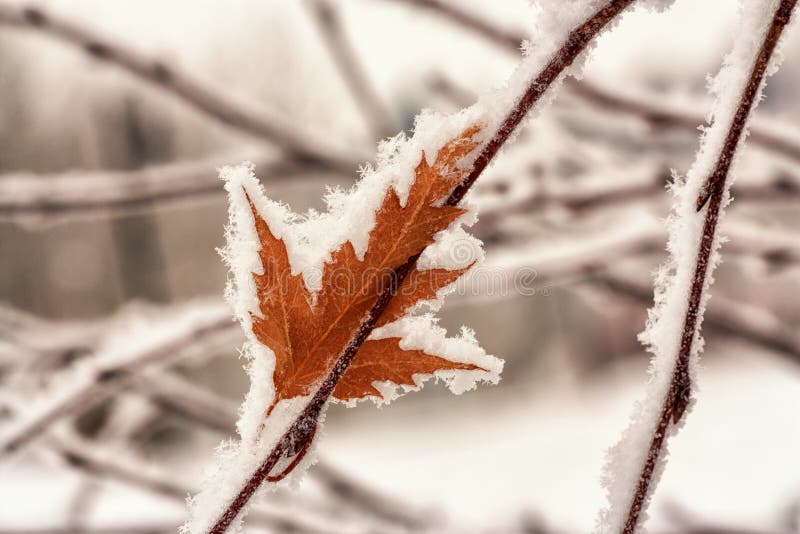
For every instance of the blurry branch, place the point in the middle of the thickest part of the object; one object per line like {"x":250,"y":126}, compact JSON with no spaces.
{"x":200,"y":406}
{"x":468,"y":20}
{"x":236,"y":113}
{"x":735,"y":318}
{"x":690,"y":523}
{"x":175,"y":395}
{"x":764,"y":133}
{"x":218,"y":414}
{"x":32,"y":198}
{"x":102,"y":463}
{"x":594,"y":261}
{"x":119,"y":529}
{"x":643,"y":184}
{"x":45,"y":344}
{"x":345,"y":489}
{"x":26,"y":197}
{"x":112,"y":369}
{"x":649,"y":108}
{"x":329,"y":22}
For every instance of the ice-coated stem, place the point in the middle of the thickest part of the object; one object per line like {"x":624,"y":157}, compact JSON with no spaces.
{"x":711,"y":195}
{"x":303,"y":426}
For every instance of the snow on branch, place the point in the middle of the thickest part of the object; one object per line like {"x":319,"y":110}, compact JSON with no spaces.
{"x":31,"y":199}
{"x":124,"y":352}
{"x":673,"y":328}
{"x":211,"y":101}
{"x":771,"y":135}
{"x":107,"y":463}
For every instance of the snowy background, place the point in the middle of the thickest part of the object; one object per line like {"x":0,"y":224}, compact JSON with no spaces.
{"x":119,"y":371}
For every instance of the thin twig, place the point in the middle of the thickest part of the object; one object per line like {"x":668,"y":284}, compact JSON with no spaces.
{"x":29,"y":197}
{"x":646,"y":107}
{"x":202,"y":97}
{"x":328,"y":20}
{"x":103,"y":379}
{"x":89,"y":459}
{"x":645,"y":185}
{"x":304,"y":426}
{"x":678,"y":395}
{"x":111,"y":529}
{"x":468,"y":20}
{"x":734,"y":318}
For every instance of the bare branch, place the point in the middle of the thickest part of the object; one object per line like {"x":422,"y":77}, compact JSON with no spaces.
{"x":34,"y":198}
{"x":734,"y":318}
{"x":82,"y":455}
{"x":218,"y":414}
{"x":649,"y":108}
{"x":210,"y":101}
{"x":376,"y":113}
{"x":468,"y":20}
{"x":112,"y":369}
{"x":111,"y":529}
{"x":713,"y":195}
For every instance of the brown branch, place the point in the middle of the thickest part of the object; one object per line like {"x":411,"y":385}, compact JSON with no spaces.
{"x":303,"y":427}
{"x":29,"y":197}
{"x":584,"y":201}
{"x":111,"y":529}
{"x":645,"y":107}
{"x":204,"y":98}
{"x":87,"y":458}
{"x":468,"y":20}
{"x":329,"y":22}
{"x":175,"y":395}
{"x":106,"y":378}
{"x":678,"y":395}
{"x":345,"y":488}
{"x":734,"y":318}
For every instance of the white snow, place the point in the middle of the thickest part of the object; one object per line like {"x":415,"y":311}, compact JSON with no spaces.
{"x":673,"y":280}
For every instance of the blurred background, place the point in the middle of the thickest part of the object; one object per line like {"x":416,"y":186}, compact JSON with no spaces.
{"x":119,"y":367}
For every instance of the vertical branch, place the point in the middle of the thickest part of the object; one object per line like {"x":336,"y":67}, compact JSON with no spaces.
{"x":363,"y":90}
{"x":299,"y":433}
{"x":713,"y":195}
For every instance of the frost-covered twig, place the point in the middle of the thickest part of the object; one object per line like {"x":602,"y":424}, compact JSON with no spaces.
{"x":211,"y":411}
{"x":776,"y":187}
{"x":50,"y":198}
{"x":108,"y":529}
{"x":114,"y":366}
{"x":647,"y":107}
{"x":346,"y":489}
{"x":302,"y":429}
{"x":364,"y":93}
{"x":468,"y":20}
{"x":767,"y":135}
{"x":190,"y":402}
{"x":209,"y":100}
{"x":748,"y":322}
{"x":673,"y":328}
{"x":104,"y":463}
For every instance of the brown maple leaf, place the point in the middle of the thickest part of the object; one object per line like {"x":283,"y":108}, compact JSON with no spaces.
{"x":307,"y":334}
